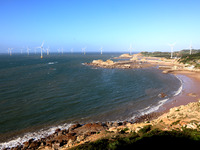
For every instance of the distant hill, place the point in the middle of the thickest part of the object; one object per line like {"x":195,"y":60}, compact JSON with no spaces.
{"x":183,"y":55}
{"x":184,"y":52}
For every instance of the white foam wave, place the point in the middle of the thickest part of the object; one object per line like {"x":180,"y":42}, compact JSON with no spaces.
{"x":181,"y":87}
{"x":151,"y":109}
{"x":32,"y":135}
{"x":51,"y":63}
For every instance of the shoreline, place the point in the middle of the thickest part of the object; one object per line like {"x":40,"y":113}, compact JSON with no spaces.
{"x":190,"y":93}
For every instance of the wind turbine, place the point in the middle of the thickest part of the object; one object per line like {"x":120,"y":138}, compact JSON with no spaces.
{"x":172,"y":48}
{"x":190,"y":48}
{"x":10,"y":51}
{"x":28,"y":50}
{"x":48,"y":51}
{"x":83,"y":49}
{"x":41,"y":48}
{"x":130,"y":48}
{"x":58,"y":50}
{"x":101,"y":50}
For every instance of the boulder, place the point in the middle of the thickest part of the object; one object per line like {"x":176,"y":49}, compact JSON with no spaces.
{"x":162,"y":95}
{"x":125,"y":56}
{"x":89,"y":129}
{"x":97,"y":61}
{"x":109,"y":62}
{"x":34,"y":145}
{"x":72,"y":127}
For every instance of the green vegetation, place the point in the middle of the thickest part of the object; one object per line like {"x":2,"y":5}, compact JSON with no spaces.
{"x":156,"y":54}
{"x":193,"y":59}
{"x":182,"y":53}
{"x":184,"y":56}
{"x":146,"y":137}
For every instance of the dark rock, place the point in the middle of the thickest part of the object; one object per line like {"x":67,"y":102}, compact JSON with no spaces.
{"x":115,"y":124}
{"x":26,"y":144}
{"x":124,"y":123}
{"x":48,"y":143}
{"x":120,"y":123}
{"x":57,"y":130}
{"x":162,"y":95}
{"x":74,"y":127}
{"x":34,"y":145}
{"x":65,"y":131}
{"x":19,"y":147}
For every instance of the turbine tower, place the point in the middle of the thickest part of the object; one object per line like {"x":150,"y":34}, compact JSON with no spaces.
{"x":58,"y":50}
{"x":28,"y":50}
{"x":190,"y":48}
{"x":10,"y":51}
{"x":172,"y":49}
{"x":83,"y":49}
{"x":41,"y":48}
{"x":101,"y":50}
{"x":130,"y":48}
{"x":48,"y":51}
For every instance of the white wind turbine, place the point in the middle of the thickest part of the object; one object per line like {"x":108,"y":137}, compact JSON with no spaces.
{"x":190,"y":48}
{"x":101,"y":50}
{"x":41,"y":48}
{"x":83,"y":49}
{"x":172,"y":48}
{"x":48,"y":51}
{"x":28,"y":50}
{"x":130,"y":49}
{"x":58,"y":50}
{"x":10,"y":51}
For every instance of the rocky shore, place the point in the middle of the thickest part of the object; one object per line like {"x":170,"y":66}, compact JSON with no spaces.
{"x":178,"y":118}
{"x":119,"y":64}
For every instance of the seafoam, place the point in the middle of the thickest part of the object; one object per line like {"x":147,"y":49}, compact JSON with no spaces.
{"x":154,"y":108}
{"x":32,"y":135}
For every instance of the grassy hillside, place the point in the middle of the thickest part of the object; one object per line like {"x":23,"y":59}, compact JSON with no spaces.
{"x":193,"y":59}
{"x":146,"y":137}
{"x":181,"y":53}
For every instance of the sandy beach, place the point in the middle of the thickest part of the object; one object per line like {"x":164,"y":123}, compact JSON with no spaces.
{"x":190,"y":90}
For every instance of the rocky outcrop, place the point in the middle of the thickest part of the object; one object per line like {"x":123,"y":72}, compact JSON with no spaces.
{"x":119,"y":64}
{"x":125,"y":56}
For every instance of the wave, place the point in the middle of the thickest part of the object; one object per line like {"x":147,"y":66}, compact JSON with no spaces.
{"x":32,"y":135}
{"x":51,"y":63}
{"x":181,"y":87}
{"x":150,"y":109}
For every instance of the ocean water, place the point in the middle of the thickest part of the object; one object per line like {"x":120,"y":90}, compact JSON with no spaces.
{"x":40,"y":95}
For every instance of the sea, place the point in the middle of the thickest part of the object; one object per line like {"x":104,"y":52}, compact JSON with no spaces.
{"x":38,"y":95}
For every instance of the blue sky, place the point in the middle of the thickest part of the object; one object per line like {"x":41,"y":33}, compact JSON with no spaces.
{"x":114,"y":25}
